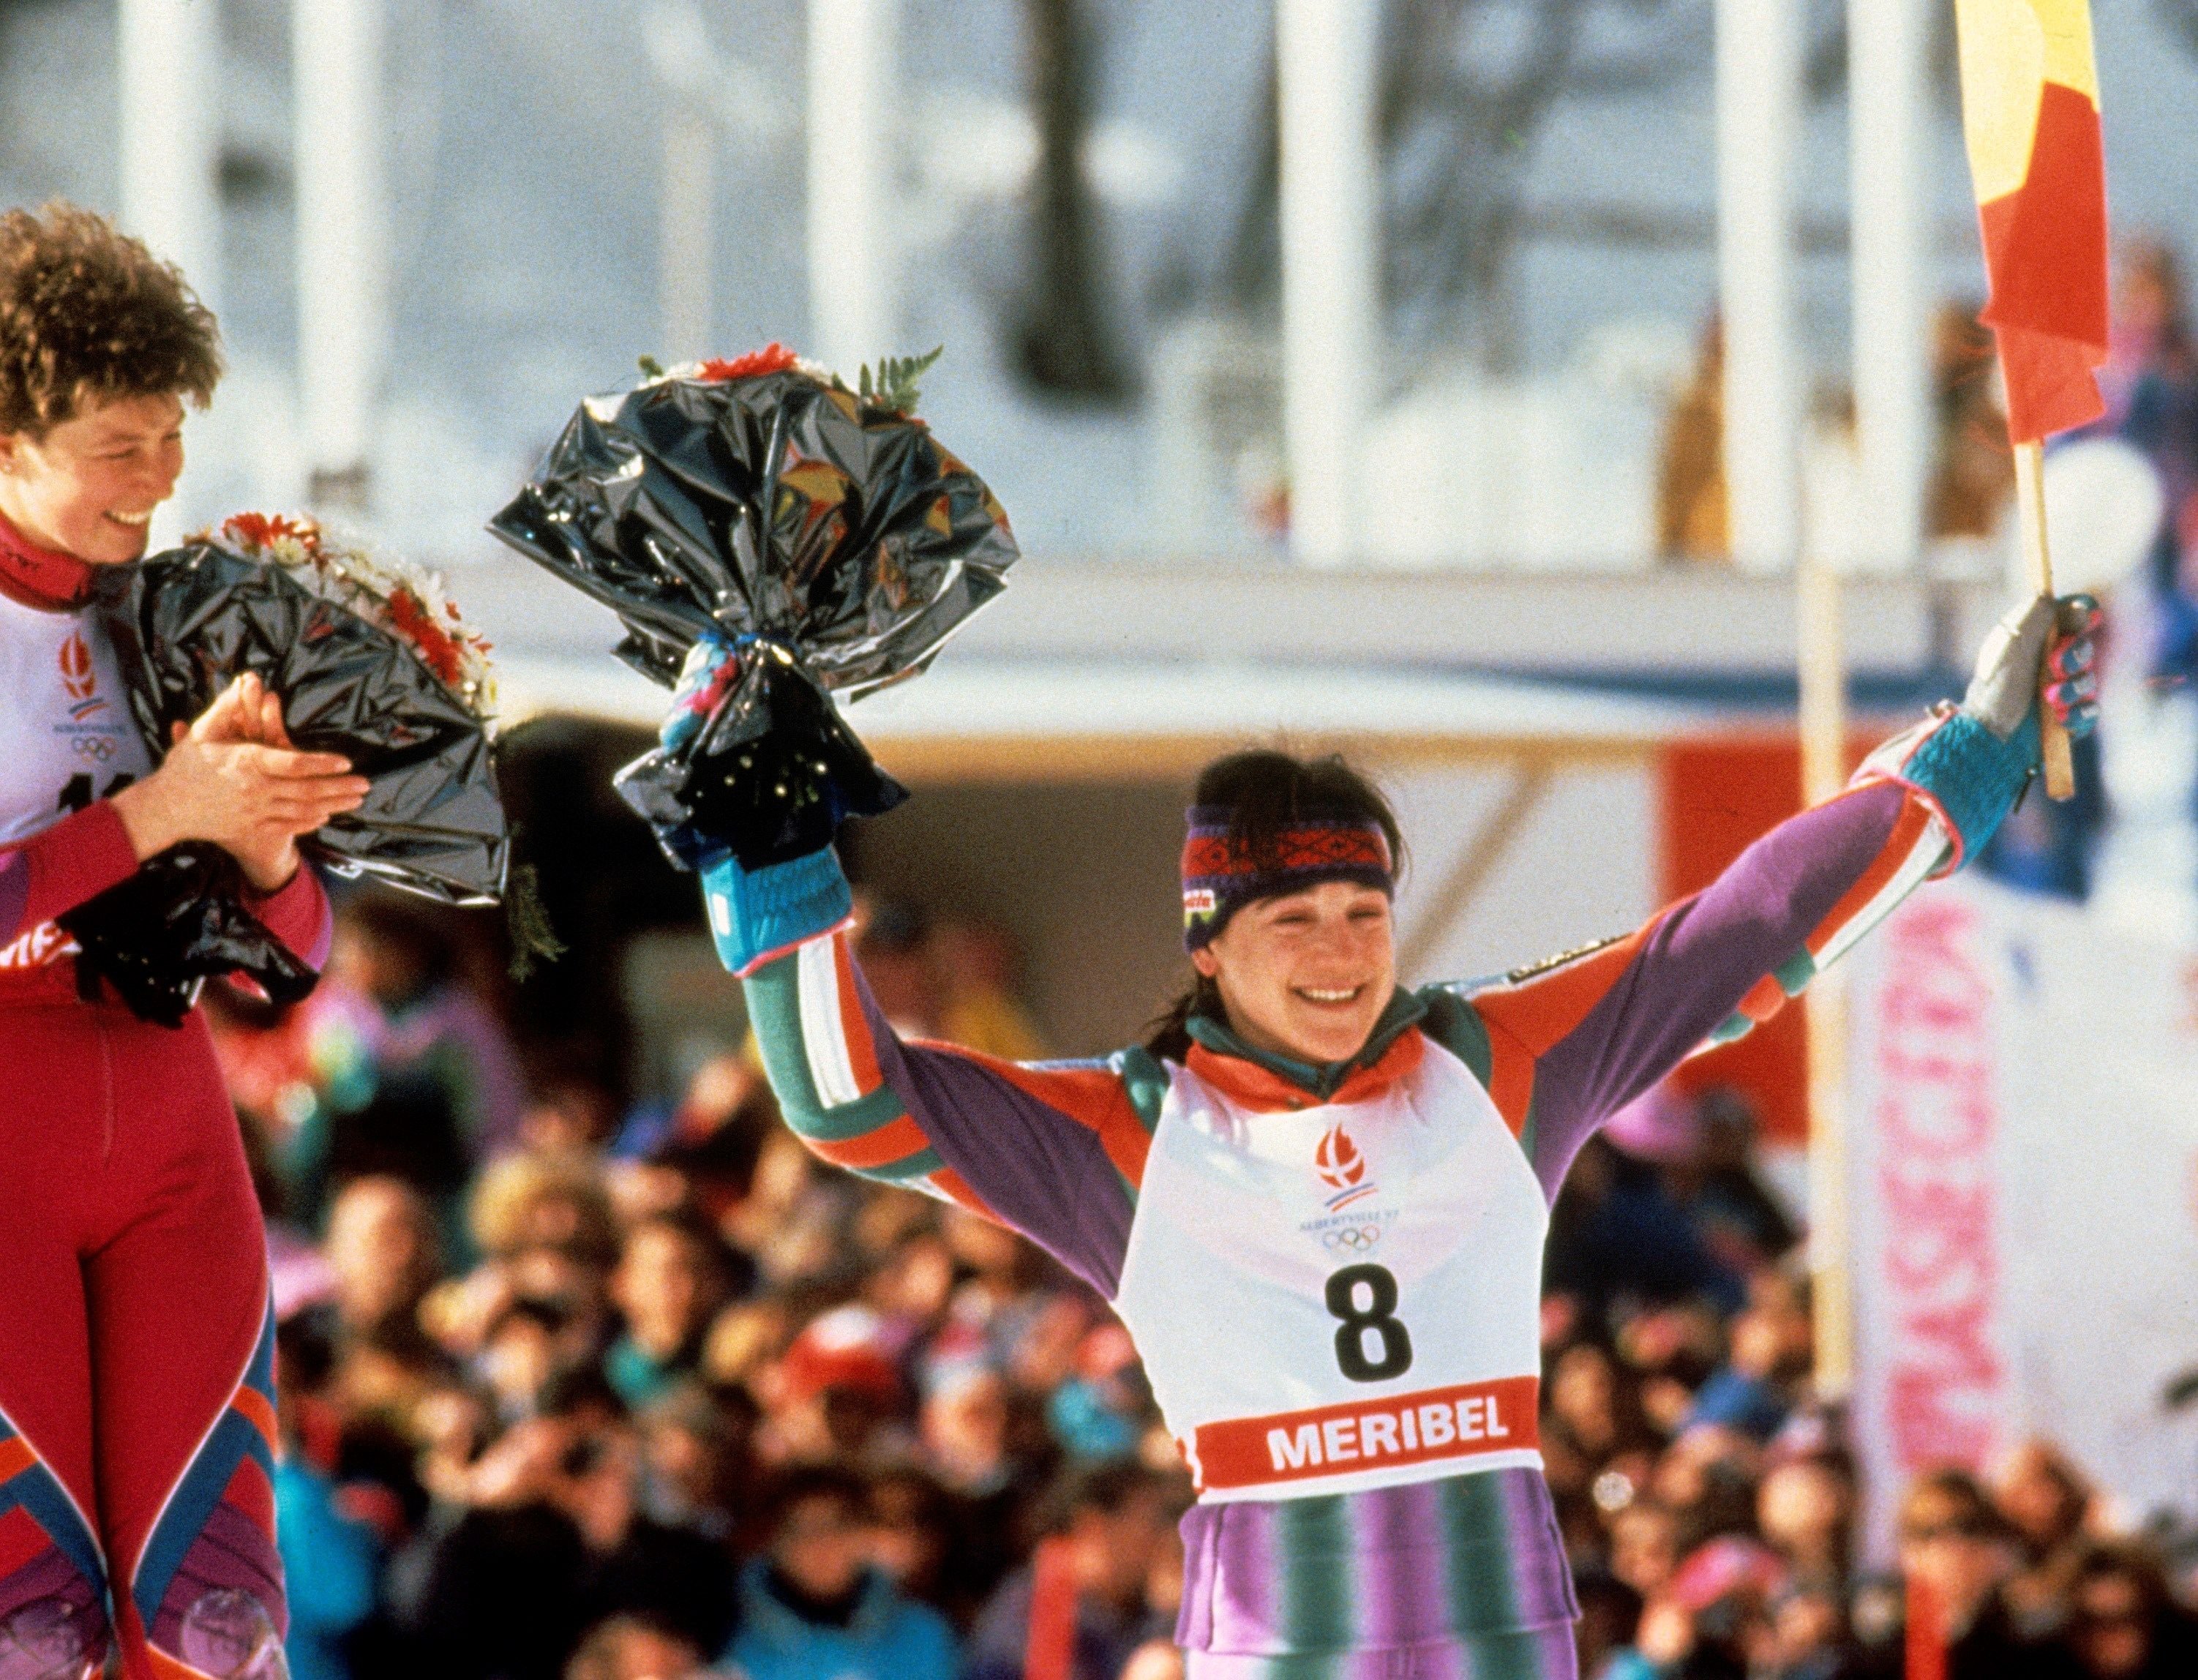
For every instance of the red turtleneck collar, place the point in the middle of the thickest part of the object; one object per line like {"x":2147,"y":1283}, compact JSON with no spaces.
{"x":41,"y":578}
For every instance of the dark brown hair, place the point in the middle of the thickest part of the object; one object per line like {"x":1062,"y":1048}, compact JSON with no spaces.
{"x":86,"y":311}
{"x":1265,"y":792}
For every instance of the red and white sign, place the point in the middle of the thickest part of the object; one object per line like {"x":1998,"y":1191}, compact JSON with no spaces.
{"x":1929,"y":1244}
{"x":2023,"y":1156}
{"x":1461,"y":1421}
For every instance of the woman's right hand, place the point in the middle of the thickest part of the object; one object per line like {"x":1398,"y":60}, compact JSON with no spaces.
{"x":240,"y":795}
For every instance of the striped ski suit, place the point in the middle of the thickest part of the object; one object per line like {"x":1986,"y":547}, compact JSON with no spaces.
{"x":1462,"y":1573}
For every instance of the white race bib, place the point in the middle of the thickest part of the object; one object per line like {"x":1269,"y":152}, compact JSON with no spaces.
{"x":68,"y":738}
{"x":1343,"y":1297}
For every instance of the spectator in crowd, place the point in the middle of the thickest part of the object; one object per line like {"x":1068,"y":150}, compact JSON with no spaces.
{"x":1742,"y":1223}
{"x":416,"y":1077}
{"x":331,"y":1559}
{"x":382,"y":1257}
{"x":895,"y":936}
{"x":2044,"y":1500}
{"x":628,"y":1647}
{"x":1690,"y":493}
{"x":977,"y":967}
{"x":700,"y":1153}
{"x":1616,"y":1229}
{"x":1956,"y":1556}
{"x":1973,"y":476}
{"x":553,"y":1539}
{"x":1093,"y":1579}
{"x":2151,"y":382}
{"x":670,"y":1281}
{"x":2123,"y":1623}
{"x":1756,"y":1388}
{"x":814,"y":1604}
{"x":1805,"y":1510}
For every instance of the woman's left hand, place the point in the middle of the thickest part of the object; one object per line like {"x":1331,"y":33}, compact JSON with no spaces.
{"x":2042,"y":651}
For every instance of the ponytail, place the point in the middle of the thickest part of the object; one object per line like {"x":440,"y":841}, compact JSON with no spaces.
{"x":1167,"y":1035}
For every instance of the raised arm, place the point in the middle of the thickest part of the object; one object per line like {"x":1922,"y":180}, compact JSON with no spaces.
{"x":1563,"y":1046}
{"x":1056,"y":1151}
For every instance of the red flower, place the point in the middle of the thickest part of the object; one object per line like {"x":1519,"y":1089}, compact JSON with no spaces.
{"x":773,"y":358}
{"x":412,"y":622}
{"x":264,"y":530}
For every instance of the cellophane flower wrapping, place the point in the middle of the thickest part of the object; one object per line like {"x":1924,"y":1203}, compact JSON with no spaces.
{"x":371,"y":660}
{"x":828,"y":536}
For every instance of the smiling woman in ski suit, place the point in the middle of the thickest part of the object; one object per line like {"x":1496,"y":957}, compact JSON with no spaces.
{"x":1318,"y":1200}
{"x":136,"y":1391}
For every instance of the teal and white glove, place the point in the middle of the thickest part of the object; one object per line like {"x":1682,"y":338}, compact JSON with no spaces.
{"x":1974,"y":764}
{"x":759,"y":916}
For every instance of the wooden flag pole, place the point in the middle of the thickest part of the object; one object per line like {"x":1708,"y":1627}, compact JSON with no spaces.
{"x":2030,"y":508}
{"x":1823,"y":774}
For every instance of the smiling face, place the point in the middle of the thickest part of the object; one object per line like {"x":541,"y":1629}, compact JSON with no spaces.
{"x":87,"y":487}
{"x":1306,"y":975}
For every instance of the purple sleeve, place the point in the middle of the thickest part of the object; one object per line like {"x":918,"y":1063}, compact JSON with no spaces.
{"x":1603,"y":1030}
{"x":1034,"y":1167}
{"x":1054,"y":1151}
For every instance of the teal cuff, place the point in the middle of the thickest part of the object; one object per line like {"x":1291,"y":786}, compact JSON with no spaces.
{"x":758,"y":915}
{"x":1975,"y":776}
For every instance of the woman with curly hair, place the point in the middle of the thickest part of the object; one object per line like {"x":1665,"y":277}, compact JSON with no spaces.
{"x":137,"y":1393}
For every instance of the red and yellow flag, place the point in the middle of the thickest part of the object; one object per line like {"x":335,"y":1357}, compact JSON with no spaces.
{"x":2030,"y":110}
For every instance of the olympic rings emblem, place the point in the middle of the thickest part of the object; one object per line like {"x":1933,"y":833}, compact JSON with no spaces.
{"x":98,"y":746}
{"x":1355,"y":1238}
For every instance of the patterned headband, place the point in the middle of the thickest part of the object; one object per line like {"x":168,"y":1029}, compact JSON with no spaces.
{"x":1221,"y":875}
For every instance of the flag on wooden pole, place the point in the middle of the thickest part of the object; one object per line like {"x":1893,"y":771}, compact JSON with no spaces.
{"x":2030,"y":112}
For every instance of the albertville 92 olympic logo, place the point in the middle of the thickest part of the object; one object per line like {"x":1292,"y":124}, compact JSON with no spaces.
{"x":79,"y":678}
{"x":1342,"y":1167}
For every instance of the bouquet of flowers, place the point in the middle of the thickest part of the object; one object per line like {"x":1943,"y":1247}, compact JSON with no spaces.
{"x":372,"y":661}
{"x":821,"y":531}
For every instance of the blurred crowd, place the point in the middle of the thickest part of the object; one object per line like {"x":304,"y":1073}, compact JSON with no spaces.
{"x":567,"y":1391}
{"x":1712,"y":1505}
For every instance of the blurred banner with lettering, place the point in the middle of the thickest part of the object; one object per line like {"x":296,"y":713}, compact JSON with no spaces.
{"x":2023,"y":1145}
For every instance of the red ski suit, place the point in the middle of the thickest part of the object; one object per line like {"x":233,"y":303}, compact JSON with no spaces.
{"x":137,"y":1422}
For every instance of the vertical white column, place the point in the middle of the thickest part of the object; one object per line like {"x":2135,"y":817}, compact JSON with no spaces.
{"x":854,"y":306}
{"x":171,"y":133}
{"x":1887,"y":140}
{"x":342,"y":239}
{"x":687,"y":235}
{"x":1324,"y":55}
{"x":1759,"y":84}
